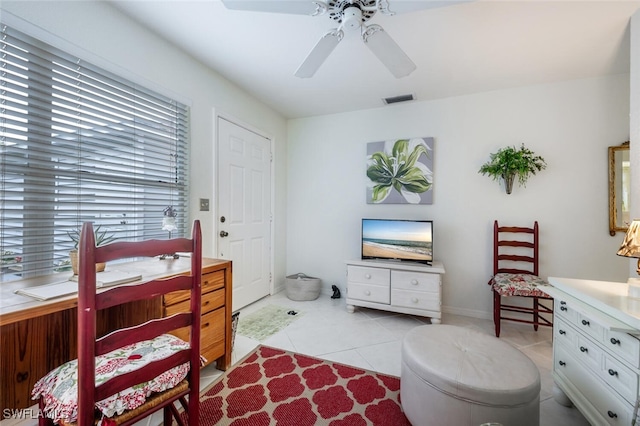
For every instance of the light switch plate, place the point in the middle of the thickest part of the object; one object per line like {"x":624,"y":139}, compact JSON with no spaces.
{"x":204,"y":204}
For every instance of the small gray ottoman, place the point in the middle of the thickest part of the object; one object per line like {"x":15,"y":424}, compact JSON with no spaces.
{"x":455,"y":376}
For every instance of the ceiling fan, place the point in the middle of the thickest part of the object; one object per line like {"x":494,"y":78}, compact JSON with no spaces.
{"x":351,"y":15}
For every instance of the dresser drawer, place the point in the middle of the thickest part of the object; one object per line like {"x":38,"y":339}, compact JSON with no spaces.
{"x":210,"y":301}
{"x":376,"y":276}
{"x":415,"y":281}
{"x":564,"y":333}
{"x":210,"y":281}
{"x":623,"y":345}
{"x":563,"y":309}
{"x":369,"y":293}
{"x":611,"y":409}
{"x":590,"y":326}
{"x":416,"y":299}
{"x":588,"y":352}
{"x":621,"y":378}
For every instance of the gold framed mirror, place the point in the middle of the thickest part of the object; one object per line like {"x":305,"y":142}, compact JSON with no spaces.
{"x":619,"y":188}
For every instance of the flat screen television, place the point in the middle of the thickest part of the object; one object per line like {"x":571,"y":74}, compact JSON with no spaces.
{"x":397,"y":240}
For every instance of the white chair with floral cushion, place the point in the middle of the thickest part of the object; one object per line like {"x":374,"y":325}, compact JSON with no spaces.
{"x":515,"y":273}
{"x":132,"y":372}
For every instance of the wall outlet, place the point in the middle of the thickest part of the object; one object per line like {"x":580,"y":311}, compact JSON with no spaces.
{"x":204,"y":204}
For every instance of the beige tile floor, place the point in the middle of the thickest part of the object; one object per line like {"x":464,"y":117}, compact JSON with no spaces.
{"x":371,"y":339}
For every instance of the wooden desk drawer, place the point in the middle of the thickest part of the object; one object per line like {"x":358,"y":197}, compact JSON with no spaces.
{"x":212,"y":329}
{"x":376,"y":276}
{"x":210,"y":281}
{"x":415,"y":281}
{"x":210,"y":301}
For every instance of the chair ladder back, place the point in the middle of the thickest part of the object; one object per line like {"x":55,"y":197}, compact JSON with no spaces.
{"x":499,"y":241}
{"x":89,"y":302}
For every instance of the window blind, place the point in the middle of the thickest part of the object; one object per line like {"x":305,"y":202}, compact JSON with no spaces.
{"x":78,"y":143}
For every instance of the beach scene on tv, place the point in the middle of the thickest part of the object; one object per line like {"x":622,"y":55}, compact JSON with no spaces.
{"x":396,"y":239}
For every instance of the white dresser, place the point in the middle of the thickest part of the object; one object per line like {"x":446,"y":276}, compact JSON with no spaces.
{"x":408,"y":288}
{"x":596,"y":350}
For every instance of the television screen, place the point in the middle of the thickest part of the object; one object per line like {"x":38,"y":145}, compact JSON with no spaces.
{"x":392,"y":239}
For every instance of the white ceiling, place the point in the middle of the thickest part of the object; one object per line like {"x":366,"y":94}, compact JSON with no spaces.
{"x":458,"y":49}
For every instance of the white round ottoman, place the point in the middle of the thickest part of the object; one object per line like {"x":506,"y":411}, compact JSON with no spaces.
{"x":455,"y":376}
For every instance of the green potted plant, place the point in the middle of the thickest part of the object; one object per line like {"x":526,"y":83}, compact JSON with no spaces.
{"x":101,"y":237}
{"x":511,"y":162}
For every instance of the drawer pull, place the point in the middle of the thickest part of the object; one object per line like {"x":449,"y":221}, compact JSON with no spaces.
{"x":414,"y":282}
{"x":583,"y":349}
{"x":614,"y":341}
{"x":563,"y":308}
{"x":613,"y":372}
{"x":414,"y":300}
{"x":367,"y":292}
{"x":585,"y":322}
{"x":562,"y":302}
{"x":562,"y":363}
{"x":612,"y":414}
{"x":21,"y":376}
{"x":562,"y":332}
{"x":367,"y":276}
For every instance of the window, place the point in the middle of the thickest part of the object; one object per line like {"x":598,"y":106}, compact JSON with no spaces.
{"x":78,"y":143}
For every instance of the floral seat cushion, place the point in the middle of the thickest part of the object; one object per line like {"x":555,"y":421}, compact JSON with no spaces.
{"x":59,"y":388}
{"x":519,"y":285}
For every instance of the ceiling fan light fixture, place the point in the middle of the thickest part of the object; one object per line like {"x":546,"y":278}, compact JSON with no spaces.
{"x":352,"y":18}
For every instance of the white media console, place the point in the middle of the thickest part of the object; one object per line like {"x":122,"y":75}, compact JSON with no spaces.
{"x":405,"y":287}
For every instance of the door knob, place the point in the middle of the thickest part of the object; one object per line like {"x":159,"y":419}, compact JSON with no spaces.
{"x":224,"y":234}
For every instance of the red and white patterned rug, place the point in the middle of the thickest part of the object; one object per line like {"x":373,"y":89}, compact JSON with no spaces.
{"x":276,"y":387}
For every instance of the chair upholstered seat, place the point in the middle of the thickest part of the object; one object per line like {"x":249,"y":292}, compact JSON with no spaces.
{"x":59,"y":388}
{"x":519,"y":285}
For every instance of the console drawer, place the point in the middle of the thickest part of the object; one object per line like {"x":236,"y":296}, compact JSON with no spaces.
{"x":563,"y":333}
{"x":621,"y":378}
{"x":415,"y":281}
{"x":369,"y":293}
{"x":376,"y":276}
{"x":416,"y":299}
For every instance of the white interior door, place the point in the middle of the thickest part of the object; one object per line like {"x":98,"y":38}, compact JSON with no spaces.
{"x":244,"y":210}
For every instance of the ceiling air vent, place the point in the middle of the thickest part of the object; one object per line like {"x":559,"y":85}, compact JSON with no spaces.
{"x":396,"y":99}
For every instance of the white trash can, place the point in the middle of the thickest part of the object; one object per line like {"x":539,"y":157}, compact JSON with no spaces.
{"x":301,"y":287}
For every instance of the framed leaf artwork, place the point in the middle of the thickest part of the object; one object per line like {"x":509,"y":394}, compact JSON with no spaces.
{"x":400,"y":171}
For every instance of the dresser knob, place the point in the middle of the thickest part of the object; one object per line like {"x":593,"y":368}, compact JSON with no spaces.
{"x":414,"y":282}
{"x":414,"y":299}
{"x":585,"y":322}
{"x":612,"y":414}
{"x":613,"y":372}
{"x":367,"y":276}
{"x":562,"y":332}
{"x":367,"y":292}
{"x":562,"y":302}
{"x":563,"y":308}
{"x":614,"y":341}
{"x":562,"y":363}
{"x":583,"y":349}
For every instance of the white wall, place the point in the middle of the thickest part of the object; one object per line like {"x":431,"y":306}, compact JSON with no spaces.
{"x":570,"y":124}
{"x":99,"y":33}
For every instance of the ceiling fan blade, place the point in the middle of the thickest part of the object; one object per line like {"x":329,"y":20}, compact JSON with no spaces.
{"x":298,"y":7}
{"x":319,"y":53}
{"x":391,"y":7}
{"x":389,"y":53}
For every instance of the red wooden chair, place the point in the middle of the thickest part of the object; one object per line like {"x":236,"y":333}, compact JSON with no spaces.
{"x":131,"y":372}
{"x":515,"y":273}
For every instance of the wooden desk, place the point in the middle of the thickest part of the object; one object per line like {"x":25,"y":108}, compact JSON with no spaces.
{"x":37,"y":336}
